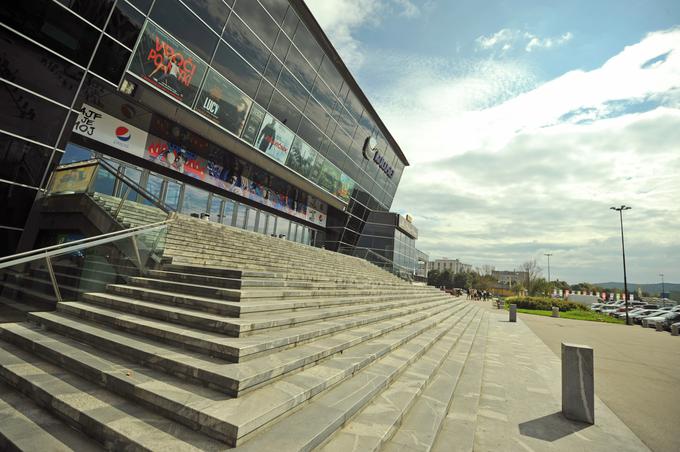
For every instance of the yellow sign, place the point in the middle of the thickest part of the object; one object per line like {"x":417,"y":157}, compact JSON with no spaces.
{"x":72,"y":180}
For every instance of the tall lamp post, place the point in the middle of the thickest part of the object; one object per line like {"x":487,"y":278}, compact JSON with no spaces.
{"x":663,"y":286}
{"x":548,"y":254}
{"x":623,"y":251}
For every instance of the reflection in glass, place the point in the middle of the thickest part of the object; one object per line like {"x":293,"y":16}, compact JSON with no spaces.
{"x":282,"y":225}
{"x":215,"y":209}
{"x":240,"y":221}
{"x":251,"y":217}
{"x":195,"y":201}
{"x":154,"y":185}
{"x":172,"y":195}
{"x":189,"y":31}
{"x":228,"y":216}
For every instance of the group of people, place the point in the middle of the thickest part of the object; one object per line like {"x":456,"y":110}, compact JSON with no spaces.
{"x":476,"y":294}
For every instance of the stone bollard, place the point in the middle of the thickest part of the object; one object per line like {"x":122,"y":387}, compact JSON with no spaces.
{"x":556,"y":311}
{"x":659,"y":326}
{"x":630,"y":321}
{"x":675,"y":330}
{"x":513,"y":312}
{"x":578,"y":384}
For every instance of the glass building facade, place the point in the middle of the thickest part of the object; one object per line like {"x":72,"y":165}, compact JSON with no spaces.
{"x":240,"y":109}
{"x":393,"y":237}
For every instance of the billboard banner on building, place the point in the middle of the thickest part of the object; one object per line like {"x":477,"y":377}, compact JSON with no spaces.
{"x":301,"y":158}
{"x":109,"y":130}
{"x":166,"y":64}
{"x":223,"y":103}
{"x":239,"y":177}
{"x":274,"y":139}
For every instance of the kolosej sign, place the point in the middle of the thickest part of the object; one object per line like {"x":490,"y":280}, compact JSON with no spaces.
{"x":369,"y":147}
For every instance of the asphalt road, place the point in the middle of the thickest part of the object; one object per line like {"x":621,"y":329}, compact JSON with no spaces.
{"x":637,"y":373}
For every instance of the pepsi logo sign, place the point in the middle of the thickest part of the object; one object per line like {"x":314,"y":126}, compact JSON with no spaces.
{"x":122,"y":133}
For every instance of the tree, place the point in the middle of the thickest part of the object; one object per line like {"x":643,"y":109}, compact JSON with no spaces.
{"x":532,"y":274}
{"x":432,"y":277}
{"x":487,"y":270}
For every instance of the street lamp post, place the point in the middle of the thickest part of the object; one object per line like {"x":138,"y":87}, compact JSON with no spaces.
{"x":548,"y":254}
{"x":663,"y":286}
{"x":623,"y":251}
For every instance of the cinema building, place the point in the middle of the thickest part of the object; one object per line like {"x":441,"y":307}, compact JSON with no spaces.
{"x":238,"y":111}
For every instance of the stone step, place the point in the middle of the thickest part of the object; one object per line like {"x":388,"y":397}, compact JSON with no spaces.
{"x":24,"y":426}
{"x":214,"y":305}
{"x":216,"y":344}
{"x":220,"y":293}
{"x":457,"y":432}
{"x":263,"y":319}
{"x":230,"y":417}
{"x":377,"y":422}
{"x":220,"y":272}
{"x":420,"y":427}
{"x":113,"y":421}
{"x":311,"y":426}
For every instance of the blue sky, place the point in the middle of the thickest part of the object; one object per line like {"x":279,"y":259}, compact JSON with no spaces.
{"x":524,"y":122}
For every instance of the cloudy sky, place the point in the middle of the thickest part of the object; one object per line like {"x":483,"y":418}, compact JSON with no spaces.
{"x":525,"y":122}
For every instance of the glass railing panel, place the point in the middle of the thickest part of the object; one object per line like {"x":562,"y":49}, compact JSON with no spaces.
{"x":40,"y":283}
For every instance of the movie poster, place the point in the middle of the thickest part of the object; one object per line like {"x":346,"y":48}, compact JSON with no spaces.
{"x":329,"y":178}
{"x":223,"y":103}
{"x":301,"y":158}
{"x":274,"y":139}
{"x":346,"y":187}
{"x":168,"y":65}
{"x":175,"y":157}
{"x":253,"y":124}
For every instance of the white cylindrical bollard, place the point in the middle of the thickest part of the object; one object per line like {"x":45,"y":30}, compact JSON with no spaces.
{"x":578,"y":383}
{"x":513,"y":312}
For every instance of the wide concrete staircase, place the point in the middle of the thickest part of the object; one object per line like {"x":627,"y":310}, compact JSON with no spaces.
{"x":239,"y":340}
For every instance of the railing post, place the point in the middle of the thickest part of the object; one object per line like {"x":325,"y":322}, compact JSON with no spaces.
{"x":53,"y":278}
{"x":138,"y":256}
{"x":120,"y":204}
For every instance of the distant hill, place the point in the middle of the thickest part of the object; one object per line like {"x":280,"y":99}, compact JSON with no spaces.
{"x":651,"y":288}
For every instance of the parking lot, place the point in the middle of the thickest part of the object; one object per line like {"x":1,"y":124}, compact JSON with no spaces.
{"x":637,"y":372}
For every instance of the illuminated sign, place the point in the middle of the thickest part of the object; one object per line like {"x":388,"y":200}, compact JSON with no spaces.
{"x":382,"y":163}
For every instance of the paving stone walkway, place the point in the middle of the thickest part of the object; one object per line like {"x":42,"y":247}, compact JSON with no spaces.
{"x":520,"y":400}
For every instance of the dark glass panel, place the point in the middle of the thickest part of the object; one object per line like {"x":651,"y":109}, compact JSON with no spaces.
{"x":21,"y":161}
{"x":330,"y":74}
{"x":185,"y":27}
{"x":16,"y":202}
{"x":264,"y":93}
{"x":284,"y":111}
{"x":292,"y":89}
{"x":281,"y":47}
{"x":94,"y":12}
{"x":246,"y":43}
{"x":317,"y":114}
{"x":298,"y":66}
{"x":28,"y":65}
{"x":142,"y":5}
{"x":258,"y":20}
{"x":277,"y":8}
{"x":346,"y":121}
{"x":53,"y":26}
{"x":213,"y":12}
{"x":310,"y":133}
{"x":9,"y":239}
{"x":290,"y":23}
{"x":354,"y":106}
{"x":273,"y":70}
{"x":309,"y":47}
{"x":125,"y":24}
{"x":110,"y":60}
{"x":30,"y":116}
{"x":324,"y":95}
{"x":232,"y":66}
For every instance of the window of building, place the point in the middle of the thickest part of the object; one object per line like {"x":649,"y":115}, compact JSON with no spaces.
{"x":172,"y":193}
{"x":195,"y":201}
{"x":16,"y":202}
{"x":259,"y":21}
{"x":228,"y":215}
{"x":233,"y":67}
{"x":251,"y":219}
{"x":215,"y":209}
{"x":246,"y":43}
{"x":125,"y":24}
{"x":298,"y":66}
{"x":30,"y":116}
{"x":292,"y":89}
{"x":290,"y":22}
{"x":277,"y":8}
{"x":185,"y":27}
{"x":21,"y":161}
{"x":213,"y":12}
{"x":110,"y":60}
{"x":37,"y":69}
{"x":241,"y":213}
{"x":284,"y":111}
{"x":282,"y":226}
{"x":94,"y":12}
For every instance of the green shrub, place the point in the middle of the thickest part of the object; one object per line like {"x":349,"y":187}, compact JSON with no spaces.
{"x":544,"y":304}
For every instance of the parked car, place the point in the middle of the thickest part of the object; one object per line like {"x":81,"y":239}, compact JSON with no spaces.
{"x":622,"y":315}
{"x":664,"y":319}
{"x":637,"y":318}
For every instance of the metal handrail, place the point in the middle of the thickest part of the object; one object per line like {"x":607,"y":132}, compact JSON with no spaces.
{"x":81,"y":244}
{"x":153,"y":199}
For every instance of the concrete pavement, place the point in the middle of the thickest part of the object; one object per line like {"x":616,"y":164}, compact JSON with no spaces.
{"x":637,"y":373}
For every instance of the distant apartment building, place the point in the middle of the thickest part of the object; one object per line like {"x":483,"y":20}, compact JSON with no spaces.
{"x":422,"y":264}
{"x":509,"y":278}
{"x":453,"y":265}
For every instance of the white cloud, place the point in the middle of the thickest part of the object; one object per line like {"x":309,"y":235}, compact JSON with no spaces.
{"x":340,"y":19}
{"x":506,"y":39}
{"x":504,"y":170}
